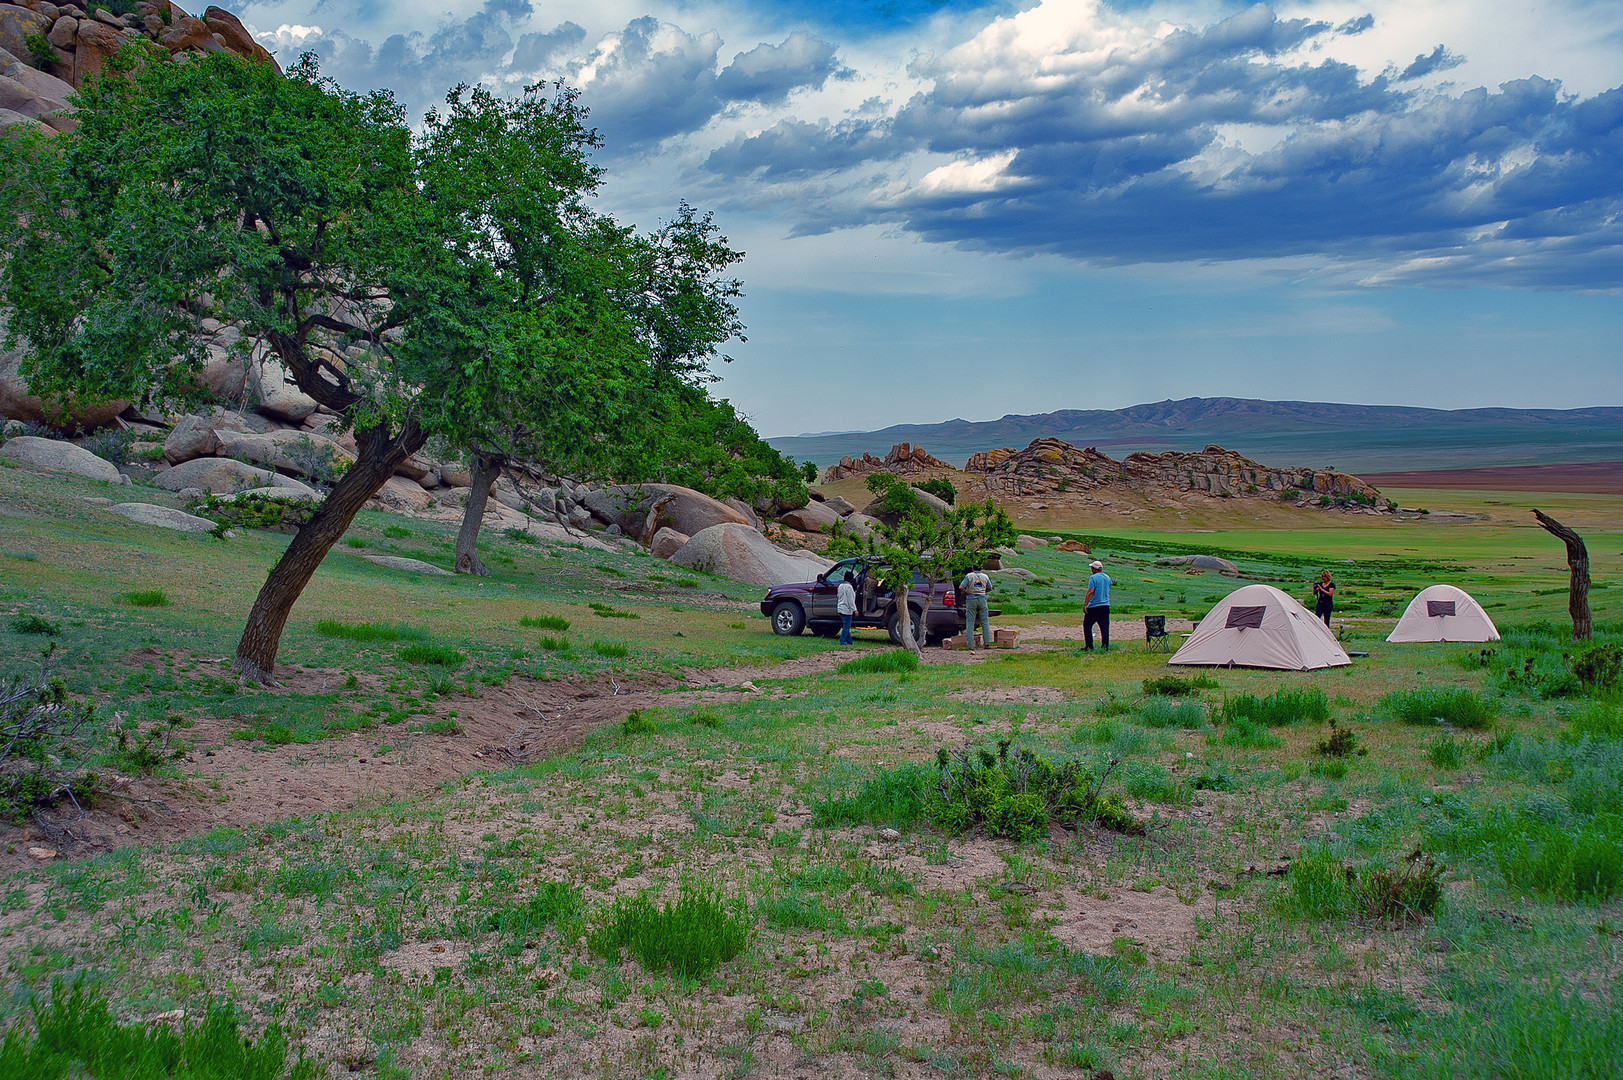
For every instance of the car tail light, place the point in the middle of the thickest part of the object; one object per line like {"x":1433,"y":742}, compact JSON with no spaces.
{"x":950,"y":600}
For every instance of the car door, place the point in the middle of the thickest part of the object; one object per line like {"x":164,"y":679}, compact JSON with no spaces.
{"x":825,"y":591}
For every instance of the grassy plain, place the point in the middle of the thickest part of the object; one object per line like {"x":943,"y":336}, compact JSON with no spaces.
{"x":454,"y":929}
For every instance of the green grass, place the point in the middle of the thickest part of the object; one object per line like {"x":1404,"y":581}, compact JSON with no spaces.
{"x":441,"y":655}
{"x":893,"y":661}
{"x":544,"y":622}
{"x":147,"y":598}
{"x":369,"y":631}
{"x":1286,"y":706}
{"x":689,"y":937}
{"x":1457,"y":707}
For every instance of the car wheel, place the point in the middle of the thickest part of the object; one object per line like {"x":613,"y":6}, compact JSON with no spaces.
{"x":787,"y":619}
{"x":894,"y":625}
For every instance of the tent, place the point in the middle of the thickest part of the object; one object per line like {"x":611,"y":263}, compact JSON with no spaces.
{"x":1444,"y":613}
{"x":1259,"y":626}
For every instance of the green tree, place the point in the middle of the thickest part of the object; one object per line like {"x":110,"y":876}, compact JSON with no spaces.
{"x":405,"y":301}
{"x":910,"y":540}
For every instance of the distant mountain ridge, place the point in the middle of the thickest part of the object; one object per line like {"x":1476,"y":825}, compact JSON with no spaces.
{"x":1355,"y":437}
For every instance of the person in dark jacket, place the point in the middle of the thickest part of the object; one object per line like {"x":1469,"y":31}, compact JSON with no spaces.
{"x":1324,"y":597}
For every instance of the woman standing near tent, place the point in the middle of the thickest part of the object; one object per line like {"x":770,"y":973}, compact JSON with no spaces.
{"x":1324,"y":596}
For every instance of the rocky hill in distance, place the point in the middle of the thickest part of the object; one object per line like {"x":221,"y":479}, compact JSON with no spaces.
{"x":1363,"y":438}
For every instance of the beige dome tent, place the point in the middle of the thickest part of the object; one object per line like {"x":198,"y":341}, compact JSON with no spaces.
{"x":1444,"y":613}
{"x":1259,"y":626}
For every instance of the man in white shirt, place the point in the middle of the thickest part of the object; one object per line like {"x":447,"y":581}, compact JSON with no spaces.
{"x":845,"y":602}
{"x":975,"y":585}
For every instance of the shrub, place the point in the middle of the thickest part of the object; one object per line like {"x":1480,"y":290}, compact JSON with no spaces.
{"x":610,"y":650}
{"x":545,"y":622}
{"x":1598,"y":666}
{"x":941,"y":488}
{"x":704,"y":718}
{"x":636,"y":723}
{"x":142,"y":751}
{"x":111,"y":445}
{"x":1158,"y":712}
{"x":553,"y":644}
{"x":425,"y":653}
{"x":1343,"y":742}
{"x":1281,"y":707}
{"x":370,"y":631}
{"x":1320,"y":886}
{"x":37,"y":720}
{"x":1179,"y":685}
{"x":147,"y":598}
{"x":691,"y":937}
{"x":1016,"y":795}
{"x":76,"y":1035}
{"x":894,"y":661}
{"x":34,"y":624}
{"x":253,"y":510}
{"x":1428,"y":705}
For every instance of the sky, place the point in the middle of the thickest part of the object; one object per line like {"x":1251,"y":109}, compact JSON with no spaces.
{"x":963,"y":209}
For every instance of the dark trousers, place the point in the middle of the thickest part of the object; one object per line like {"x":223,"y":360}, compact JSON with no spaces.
{"x":1097,"y":616}
{"x":1322,"y":610}
{"x":845,"y":630}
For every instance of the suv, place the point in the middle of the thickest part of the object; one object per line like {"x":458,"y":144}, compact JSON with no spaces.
{"x":798,"y":605}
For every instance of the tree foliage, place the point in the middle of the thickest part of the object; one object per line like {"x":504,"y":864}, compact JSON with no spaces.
{"x":454,"y":283}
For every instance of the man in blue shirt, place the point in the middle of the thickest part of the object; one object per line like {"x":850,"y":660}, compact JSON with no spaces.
{"x":1097,"y":607}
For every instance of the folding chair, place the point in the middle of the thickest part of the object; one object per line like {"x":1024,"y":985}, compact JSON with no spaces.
{"x":1155,"y":634}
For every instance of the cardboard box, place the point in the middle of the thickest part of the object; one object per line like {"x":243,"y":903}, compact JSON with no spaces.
{"x":952,"y":643}
{"x":1005,"y":639}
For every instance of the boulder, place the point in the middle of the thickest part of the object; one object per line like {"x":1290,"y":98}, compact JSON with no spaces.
{"x":94,"y":42}
{"x":813,"y":517}
{"x":739,"y":552}
{"x":937,"y":507}
{"x":398,"y":493}
{"x":861,"y":525}
{"x":1205,"y":562}
{"x":296,"y":493}
{"x":164,"y":517}
{"x":56,"y":456}
{"x":14,"y":123}
{"x":277,"y":395}
{"x":16,"y":403}
{"x":225,"y":373}
{"x":410,"y":566}
{"x":667,"y":542}
{"x":683,"y":509}
{"x":1030,"y":543}
{"x":17,"y":24}
{"x":1073,"y":545}
{"x":191,"y":437}
{"x":213,"y":474}
{"x":414,"y":468}
{"x":64,"y":32}
{"x":1015,"y":572}
{"x":298,"y":452}
{"x":750,"y":516}
{"x":839,"y":505}
{"x":456,"y":476}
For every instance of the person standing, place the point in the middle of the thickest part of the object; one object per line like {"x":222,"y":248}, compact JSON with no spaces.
{"x":845,"y":603}
{"x":1324,"y":596}
{"x":974,"y":587}
{"x":1097,"y":607}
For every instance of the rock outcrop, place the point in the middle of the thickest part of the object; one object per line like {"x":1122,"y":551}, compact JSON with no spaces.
{"x":904,"y":459}
{"x":56,"y":456}
{"x":743,"y":554}
{"x":1052,"y":468}
{"x":164,"y":517}
{"x":672,"y":506}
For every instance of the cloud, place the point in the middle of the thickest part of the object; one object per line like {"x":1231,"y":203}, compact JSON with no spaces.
{"x":1075,"y":130}
{"x":1440,"y":59}
{"x":769,"y":73}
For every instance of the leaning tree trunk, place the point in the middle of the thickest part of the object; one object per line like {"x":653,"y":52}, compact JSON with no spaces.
{"x":486,"y":468}
{"x":904,"y":622}
{"x":379,"y":454}
{"x":1578,"y":562}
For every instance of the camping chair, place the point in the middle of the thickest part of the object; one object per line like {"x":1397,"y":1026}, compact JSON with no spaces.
{"x":1156,"y":638}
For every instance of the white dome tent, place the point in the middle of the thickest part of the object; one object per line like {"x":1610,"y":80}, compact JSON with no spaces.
{"x":1259,"y":626}
{"x":1444,"y":613}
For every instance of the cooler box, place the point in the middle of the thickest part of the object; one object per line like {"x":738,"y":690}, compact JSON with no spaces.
{"x":1005,"y":639}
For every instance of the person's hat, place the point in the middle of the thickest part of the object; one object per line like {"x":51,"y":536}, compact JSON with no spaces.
{"x":1097,"y":565}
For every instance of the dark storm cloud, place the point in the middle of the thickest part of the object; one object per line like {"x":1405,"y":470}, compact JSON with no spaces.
{"x":769,"y":73}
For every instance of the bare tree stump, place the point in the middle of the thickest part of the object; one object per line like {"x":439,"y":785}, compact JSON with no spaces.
{"x":1578,"y":562}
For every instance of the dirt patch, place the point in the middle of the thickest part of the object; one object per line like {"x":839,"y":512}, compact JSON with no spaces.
{"x":1017,"y":695}
{"x":229,"y":782}
{"x":1158,"y":922}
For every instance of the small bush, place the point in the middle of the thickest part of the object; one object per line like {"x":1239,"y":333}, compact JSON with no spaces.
{"x":1111,"y":705}
{"x":147,"y":598}
{"x":1343,"y":742}
{"x":140,"y":751}
{"x":554,"y":644}
{"x":397,"y":532}
{"x":1016,"y":795}
{"x":1281,"y":707}
{"x":703,"y":718}
{"x":75,"y":1034}
{"x":941,"y":488}
{"x":1179,"y":685}
{"x":691,"y":937}
{"x":1159,"y":712}
{"x":1598,"y":666}
{"x":425,"y":653}
{"x":1429,"y":705}
{"x":554,"y":902}
{"x":610,"y":650}
{"x":544,"y":622}
{"x":33,"y":624}
{"x":252,"y":510}
{"x":892,"y":661}
{"x":1320,"y":886}
{"x":636,"y":723}
{"x":1445,"y":752}
{"x":370,"y":631}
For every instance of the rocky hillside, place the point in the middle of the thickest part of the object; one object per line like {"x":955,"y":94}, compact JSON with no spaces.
{"x":1057,"y":470}
{"x":904,"y":459}
{"x":48,"y":50}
